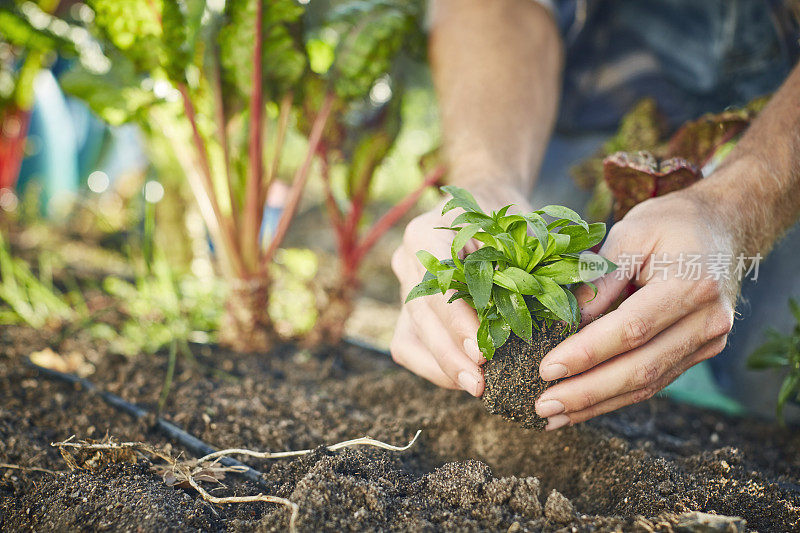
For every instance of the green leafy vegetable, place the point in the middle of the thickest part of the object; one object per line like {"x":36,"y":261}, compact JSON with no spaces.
{"x":521,"y":278}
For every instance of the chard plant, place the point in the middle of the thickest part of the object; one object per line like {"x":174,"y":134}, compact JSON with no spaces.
{"x":782,"y":352}
{"x":222,"y":81}
{"x":376,"y":56}
{"x":520,"y":279}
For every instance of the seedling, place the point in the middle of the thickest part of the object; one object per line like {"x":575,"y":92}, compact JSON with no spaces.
{"x":778,"y":352}
{"x":520,"y":279}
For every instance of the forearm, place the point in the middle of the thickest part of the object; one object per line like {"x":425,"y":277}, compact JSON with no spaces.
{"x":758,"y":187}
{"x":496,"y":67}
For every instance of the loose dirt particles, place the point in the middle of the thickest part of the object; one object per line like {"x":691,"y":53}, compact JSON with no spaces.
{"x":635,"y":470}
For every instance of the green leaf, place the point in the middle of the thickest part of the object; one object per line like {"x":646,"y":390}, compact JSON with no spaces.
{"x":789,"y":388}
{"x":563,"y":272}
{"x":479,"y":281}
{"x":459,"y":295}
{"x":771,"y":354}
{"x":536,"y":255}
{"x":425,"y":288}
{"x":430,"y":262}
{"x":487,"y":253}
{"x":445,"y":278}
{"x":461,"y":198}
{"x":559,"y":211}
{"x":461,"y":239}
{"x":795,"y":308}
{"x":518,"y":231}
{"x":471,"y":217}
{"x":555,"y":299}
{"x":500,"y":331}
{"x":581,"y":239}
{"x":538,"y":227}
{"x":516,"y":279}
{"x":573,"y":304}
{"x":514,"y":311}
{"x":593,"y":266}
{"x":485,"y":343}
{"x":557,"y":243}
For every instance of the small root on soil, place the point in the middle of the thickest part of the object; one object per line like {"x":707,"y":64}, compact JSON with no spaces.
{"x":191,"y":472}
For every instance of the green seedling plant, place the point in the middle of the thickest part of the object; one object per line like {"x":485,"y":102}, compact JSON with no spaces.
{"x":520,"y":279}
{"x":779,"y":352}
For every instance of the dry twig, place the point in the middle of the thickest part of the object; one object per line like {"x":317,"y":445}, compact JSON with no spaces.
{"x":27,"y":468}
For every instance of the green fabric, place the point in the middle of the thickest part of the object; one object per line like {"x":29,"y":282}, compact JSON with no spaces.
{"x":696,"y":386}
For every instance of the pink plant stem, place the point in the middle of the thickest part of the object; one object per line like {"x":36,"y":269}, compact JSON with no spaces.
{"x":391,"y":217}
{"x":219,"y":111}
{"x":299,"y":181}
{"x":252,"y":217}
{"x":333,"y":209}
{"x":226,"y":230}
{"x":280,"y":137}
{"x":12,"y":148}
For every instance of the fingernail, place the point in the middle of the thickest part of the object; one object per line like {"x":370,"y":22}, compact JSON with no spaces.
{"x":548,"y":408}
{"x":555,"y":422}
{"x":553,"y":371}
{"x":469,"y":382}
{"x":472,"y":350}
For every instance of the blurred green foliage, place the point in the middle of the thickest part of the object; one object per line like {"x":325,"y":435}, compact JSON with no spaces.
{"x":781,"y":352}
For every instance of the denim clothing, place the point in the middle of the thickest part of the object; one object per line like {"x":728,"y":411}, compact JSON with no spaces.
{"x":692,"y":56}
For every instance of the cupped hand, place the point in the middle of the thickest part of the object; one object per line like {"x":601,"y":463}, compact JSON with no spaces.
{"x":435,"y":339}
{"x":681,"y":314}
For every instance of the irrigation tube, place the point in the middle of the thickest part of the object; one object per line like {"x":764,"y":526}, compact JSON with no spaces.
{"x":192,"y":443}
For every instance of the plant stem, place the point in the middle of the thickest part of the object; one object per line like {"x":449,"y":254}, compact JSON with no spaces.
{"x":252,"y":217}
{"x":226,"y":230}
{"x":280,"y":138}
{"x":299,"y":181}
{"x":173,"y":356}
{"x":219,"y":111}
{"x":394,"y":214}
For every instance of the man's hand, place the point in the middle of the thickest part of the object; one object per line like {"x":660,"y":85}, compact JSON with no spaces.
{"x":675,"y":320}
{"x":435,"y":339}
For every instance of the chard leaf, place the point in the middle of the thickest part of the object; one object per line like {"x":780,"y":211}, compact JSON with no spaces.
{"x":514,"y":311}
{"x":424,"y":288}
{"x":461,"y":198}
{"x":479,"y":281}
{"x":559,"y":211}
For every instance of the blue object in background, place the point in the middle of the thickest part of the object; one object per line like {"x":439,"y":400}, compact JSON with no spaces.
{"x":52,"y":159}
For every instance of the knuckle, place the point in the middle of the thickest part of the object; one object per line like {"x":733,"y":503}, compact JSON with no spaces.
{"x":645,"y":375}
{"x":586,"y":356}
{"x":714,"y":347}
{"x":588,"y":399}
{"x":708,"y":290}
{"x":644,"y":394}
{"x":635,"y":332}
{"x":719,"y":323}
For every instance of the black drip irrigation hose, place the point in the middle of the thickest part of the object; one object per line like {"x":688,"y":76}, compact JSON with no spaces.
{"x":170,"y":430}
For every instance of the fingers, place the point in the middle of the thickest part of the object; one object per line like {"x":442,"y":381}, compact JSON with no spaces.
{"x":640,"y":373}
{"x":708,"y":350}
{"x":408,"y":351}
{"x":448,"y":354}
{"x":650,"y":310}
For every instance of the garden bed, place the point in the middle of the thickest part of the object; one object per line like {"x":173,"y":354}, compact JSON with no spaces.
{"x":637,"y":469}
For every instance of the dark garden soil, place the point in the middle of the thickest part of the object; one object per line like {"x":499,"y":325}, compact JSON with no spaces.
{"x":639,"y":469}
{"x":512,"y":376}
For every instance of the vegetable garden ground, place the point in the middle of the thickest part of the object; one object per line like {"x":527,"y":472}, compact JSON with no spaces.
{"x":640,"y":469}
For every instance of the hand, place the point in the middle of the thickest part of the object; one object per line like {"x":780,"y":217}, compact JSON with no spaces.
{"x":435,"y":339}
{"x":671,"y":323}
